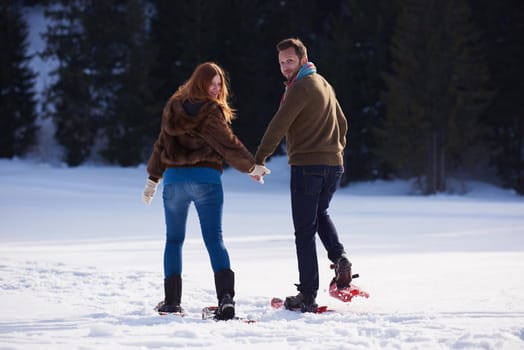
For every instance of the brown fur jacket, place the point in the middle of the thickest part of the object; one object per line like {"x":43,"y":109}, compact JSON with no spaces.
{"x":196,"y":135}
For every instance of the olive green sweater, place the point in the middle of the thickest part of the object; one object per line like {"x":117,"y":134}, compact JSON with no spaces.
{"x":312,"y":121}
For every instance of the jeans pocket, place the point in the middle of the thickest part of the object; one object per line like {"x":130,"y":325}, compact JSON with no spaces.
{"x":206,"y":192}
{"x":308,"y":181}
{"x":334,"y":180}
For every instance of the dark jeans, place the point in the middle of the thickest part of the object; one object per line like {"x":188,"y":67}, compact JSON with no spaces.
{"x":312,"y":188}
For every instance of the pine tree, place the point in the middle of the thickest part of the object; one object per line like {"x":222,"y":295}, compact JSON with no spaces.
{"x":435,"y":93}
{"x":73,"y":105}
{"x":503,"y":25}
{"x":128,"y":120}
{"x":183,"y":34}
{"x":249,"y":54}
{"x":100,"y":97}
{"x":17,"y":102}
{"x":354,"y":52}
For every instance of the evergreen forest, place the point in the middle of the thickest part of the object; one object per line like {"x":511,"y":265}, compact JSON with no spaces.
{"x":432,"y":89}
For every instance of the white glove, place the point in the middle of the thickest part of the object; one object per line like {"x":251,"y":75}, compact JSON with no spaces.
{"x":259,"y":172}
{"x":149,"y":191}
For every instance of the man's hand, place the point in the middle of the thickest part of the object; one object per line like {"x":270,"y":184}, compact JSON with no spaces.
{"x":258,"y":173}
{"x":149,"y":191}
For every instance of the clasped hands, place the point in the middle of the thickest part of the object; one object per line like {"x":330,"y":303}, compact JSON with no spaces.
{"x":258,"y":173}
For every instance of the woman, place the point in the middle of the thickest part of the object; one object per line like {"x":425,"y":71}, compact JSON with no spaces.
{"x":194,"y":141}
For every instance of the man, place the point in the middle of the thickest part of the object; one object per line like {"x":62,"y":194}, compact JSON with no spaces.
{"x":315,"y":128}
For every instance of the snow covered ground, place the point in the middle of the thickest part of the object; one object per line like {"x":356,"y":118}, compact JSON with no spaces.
{"x":81,"y":266}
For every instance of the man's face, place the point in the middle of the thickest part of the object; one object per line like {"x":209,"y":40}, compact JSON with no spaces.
{"x":289,"y":62}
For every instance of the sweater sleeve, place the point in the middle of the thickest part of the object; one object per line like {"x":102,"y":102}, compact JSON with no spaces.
{"x":281,"y":122}
{"x":343,"y":124}
{"x":155,"y":166}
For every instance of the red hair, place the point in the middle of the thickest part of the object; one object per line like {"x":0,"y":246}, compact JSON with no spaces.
{"x":196,"y":89}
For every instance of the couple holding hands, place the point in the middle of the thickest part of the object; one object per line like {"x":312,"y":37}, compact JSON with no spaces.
{"x":196,"y":138}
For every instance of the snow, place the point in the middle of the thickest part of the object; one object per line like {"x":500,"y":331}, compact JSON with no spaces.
{"x":81,"y":266}
{"x":81,"y":260}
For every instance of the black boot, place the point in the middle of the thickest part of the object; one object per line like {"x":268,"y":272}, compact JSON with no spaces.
{"x":225,"y":287}
{"x":173,"y":295}
{"x":302,"y":302}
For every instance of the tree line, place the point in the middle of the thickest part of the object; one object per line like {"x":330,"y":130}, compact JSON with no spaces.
{"x":431,"y":88}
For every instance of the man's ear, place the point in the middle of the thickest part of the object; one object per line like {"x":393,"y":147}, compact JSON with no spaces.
{"x":303,"y":61}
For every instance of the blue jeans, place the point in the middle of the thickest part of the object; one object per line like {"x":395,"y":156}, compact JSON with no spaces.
{"x":312,"y":188}
{"x":208,"y":199}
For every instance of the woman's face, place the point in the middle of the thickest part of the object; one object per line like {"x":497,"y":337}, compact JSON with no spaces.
{"x":215,"y":86}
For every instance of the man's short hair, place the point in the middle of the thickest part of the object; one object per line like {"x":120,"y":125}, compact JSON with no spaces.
{"x":295,"y":43}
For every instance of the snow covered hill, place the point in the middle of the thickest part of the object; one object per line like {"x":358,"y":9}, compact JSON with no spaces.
{"x":81,"y":266}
